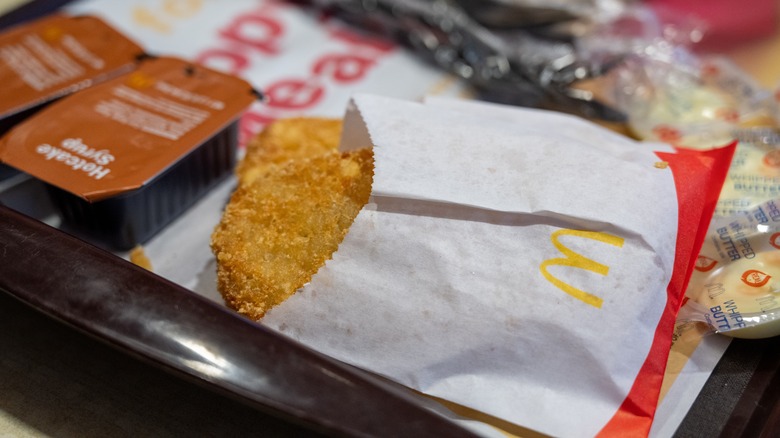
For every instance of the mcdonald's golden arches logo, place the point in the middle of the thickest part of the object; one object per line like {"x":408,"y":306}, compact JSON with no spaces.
{"x":576,"y":260}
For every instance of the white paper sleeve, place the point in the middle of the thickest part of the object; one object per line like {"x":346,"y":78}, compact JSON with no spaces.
{"x":510,"y":261}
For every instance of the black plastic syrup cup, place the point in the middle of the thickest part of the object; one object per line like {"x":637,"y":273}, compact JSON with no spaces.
{"x":125,"y":221}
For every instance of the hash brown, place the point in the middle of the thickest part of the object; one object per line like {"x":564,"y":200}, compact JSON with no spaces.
{"x":288,"y":139}
{"x":288,"y":218}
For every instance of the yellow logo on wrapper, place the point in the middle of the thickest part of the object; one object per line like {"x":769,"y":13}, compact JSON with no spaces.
{"x":576,"y":260}
{"x":755,"y":278}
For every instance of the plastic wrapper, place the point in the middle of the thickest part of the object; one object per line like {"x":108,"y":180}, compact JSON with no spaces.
{"x":754,"y":175}
{"x":735,"y":285}
{"x":638,"y":29}
{"x":695,"y":103}
{"x":667,"y":91}
{"x":492,"y":47}
{"x":521,"y":13}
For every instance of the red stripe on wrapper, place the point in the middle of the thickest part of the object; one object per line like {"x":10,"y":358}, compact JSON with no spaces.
{"x":698,"y":178}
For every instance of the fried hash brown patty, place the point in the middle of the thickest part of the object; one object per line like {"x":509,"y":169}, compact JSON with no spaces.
{"x":288,"y":139}
{"x":281,"y":227}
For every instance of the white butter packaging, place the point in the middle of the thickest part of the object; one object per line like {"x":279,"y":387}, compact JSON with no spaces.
{"x":734,"y":288}
{"x":525,"y":264}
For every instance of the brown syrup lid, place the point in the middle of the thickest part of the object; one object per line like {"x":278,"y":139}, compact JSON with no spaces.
{"x":117,"y":136}
{"x":58,"y":55}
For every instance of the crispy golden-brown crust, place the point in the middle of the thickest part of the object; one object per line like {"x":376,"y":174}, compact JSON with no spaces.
{"x":282,"y":225}
{"x":288,"y":139}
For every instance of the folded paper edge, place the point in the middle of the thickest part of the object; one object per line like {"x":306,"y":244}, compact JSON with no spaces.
{"x":638,"y":408}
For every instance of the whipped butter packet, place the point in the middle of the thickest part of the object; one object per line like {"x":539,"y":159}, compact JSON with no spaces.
{"x":126,"y":157}
{"x":521,"y":263}
{"x":735,"y":286}
{"x":754,"y":176}
{"x":695,"y":104}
